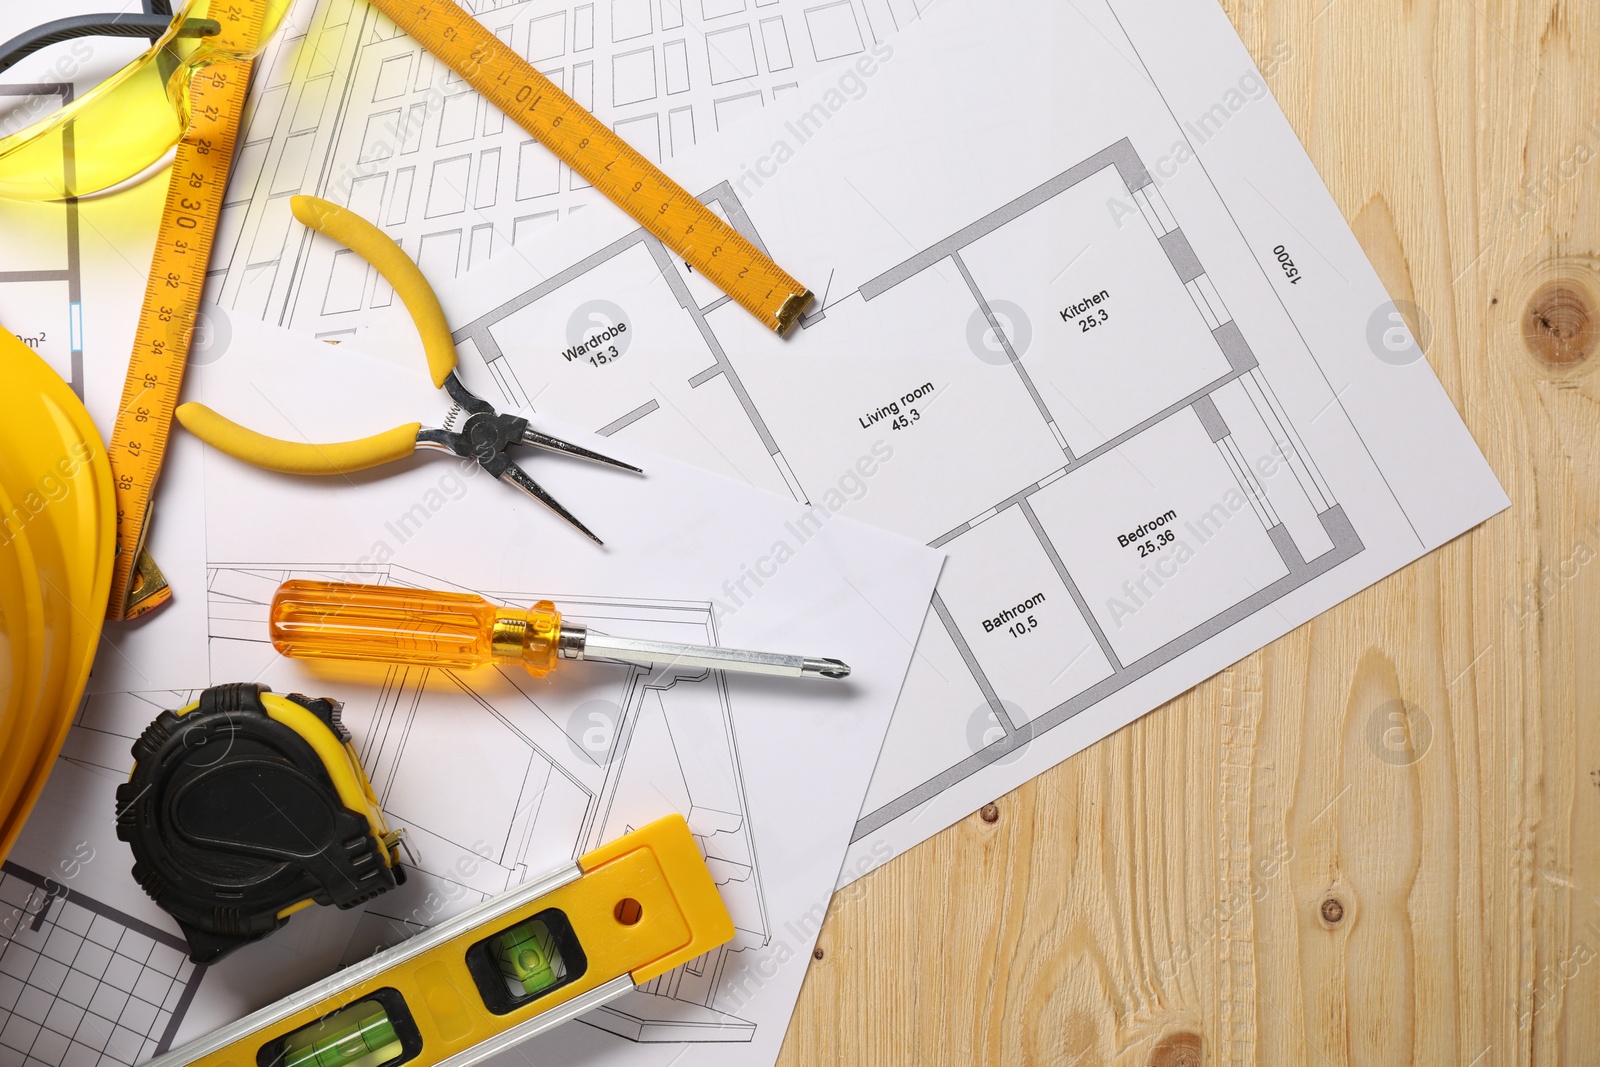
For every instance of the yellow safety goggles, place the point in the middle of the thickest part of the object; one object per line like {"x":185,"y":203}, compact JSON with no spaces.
{"x":131,"y":119}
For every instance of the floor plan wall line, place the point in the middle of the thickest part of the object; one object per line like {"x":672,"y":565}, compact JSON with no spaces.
{"x":1347,"y":546}
{"x":1001,"y":713}
{"x":1011,"y":353}
{"x":1072,"y":586}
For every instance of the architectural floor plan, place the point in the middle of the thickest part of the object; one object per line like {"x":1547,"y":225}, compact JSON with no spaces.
{"x":350,"y":109}
{"x":1211,"y":545}
{"x":1060,"y":336}
{"x":1218,"y":508}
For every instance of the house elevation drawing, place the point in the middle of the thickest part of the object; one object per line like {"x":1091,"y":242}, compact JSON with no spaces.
{"x":41,"y":291}
{"x":1149,"y":491}
{"x":82,"y":983}
{"x":553,"y":766}
{"x":353,"y":111}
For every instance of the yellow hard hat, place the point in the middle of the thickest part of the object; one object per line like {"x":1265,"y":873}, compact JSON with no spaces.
{"x":57,"y":537}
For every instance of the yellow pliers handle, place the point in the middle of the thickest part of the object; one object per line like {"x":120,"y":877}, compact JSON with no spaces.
{"x":297,"y":457}
{"x":343,"y":457}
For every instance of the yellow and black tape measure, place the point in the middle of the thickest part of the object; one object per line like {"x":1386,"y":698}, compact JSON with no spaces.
{"x":604,"y":160}
{"x":246,"y":806}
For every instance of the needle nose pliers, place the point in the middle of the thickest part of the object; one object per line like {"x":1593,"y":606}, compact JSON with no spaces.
{"x":472,"y":430}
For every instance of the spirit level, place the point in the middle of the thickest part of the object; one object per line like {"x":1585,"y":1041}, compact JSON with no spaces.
{"x":516,"y":965}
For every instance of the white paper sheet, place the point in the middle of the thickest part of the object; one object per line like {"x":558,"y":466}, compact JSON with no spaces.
{"x":1136,"y":374}
{"x":347,"y":108}
{"x":496,"y":775}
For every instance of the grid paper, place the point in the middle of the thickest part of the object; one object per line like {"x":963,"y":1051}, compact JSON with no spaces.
{"x":81,"y":983}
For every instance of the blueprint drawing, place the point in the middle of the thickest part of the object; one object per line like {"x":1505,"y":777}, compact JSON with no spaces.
{"x":1248,"y":547}
{"x":566,"y":761}
{"x":347,"y":108}
{"x":1142,"y":459}
{"x":82,"y":982}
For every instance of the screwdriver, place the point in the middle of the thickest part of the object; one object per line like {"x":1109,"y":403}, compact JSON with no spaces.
{"x":394,"y":624}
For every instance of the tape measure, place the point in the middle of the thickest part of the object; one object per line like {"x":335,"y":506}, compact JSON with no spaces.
{"x":172,"y":295}
{"x":245,"y":807}
{"x":603,"y":159}
{"x":522,"y":962}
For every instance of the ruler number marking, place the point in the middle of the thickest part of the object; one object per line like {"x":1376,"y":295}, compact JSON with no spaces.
{"x":195,"y":192}
{"x":671,"y":213}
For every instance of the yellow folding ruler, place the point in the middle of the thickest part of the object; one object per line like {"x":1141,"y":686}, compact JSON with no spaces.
{"x":172,"y":300}
{"x":604,"y":160}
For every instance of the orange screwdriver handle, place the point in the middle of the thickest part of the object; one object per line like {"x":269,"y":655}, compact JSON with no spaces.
{"x":393,"y":624}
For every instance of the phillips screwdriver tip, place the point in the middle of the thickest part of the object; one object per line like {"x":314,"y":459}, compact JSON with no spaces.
{"x":827,"y":668}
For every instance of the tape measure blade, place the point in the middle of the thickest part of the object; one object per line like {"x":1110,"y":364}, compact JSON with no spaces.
{"x":604,"y":159}
{"x":196,"y":188}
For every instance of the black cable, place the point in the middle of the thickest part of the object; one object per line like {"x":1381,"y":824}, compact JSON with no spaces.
{"x":150,"y":26}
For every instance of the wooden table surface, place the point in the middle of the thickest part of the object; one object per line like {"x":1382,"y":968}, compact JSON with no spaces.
{"x":1378,"y":840}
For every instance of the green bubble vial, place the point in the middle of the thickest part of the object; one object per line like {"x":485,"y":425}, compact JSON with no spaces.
{"x":361,"y":1035}
{"x":529,"y":958}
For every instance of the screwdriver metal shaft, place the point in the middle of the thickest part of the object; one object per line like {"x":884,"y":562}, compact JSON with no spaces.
{"x":579,"y":642}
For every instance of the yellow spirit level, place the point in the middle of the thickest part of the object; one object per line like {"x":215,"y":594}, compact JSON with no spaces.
{"x":517,"y":965}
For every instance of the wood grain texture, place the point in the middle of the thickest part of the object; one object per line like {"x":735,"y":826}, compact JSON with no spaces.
{"x":1377,"y":841}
